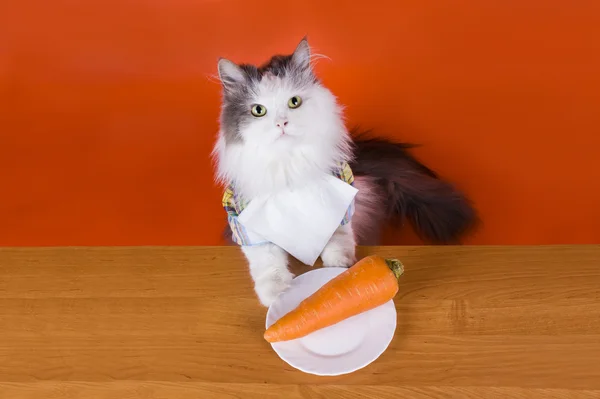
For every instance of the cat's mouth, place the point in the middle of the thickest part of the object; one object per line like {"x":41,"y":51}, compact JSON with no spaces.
{"x":283,"y":133}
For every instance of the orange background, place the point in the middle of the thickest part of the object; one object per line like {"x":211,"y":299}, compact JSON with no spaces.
{"x":108,"y":111}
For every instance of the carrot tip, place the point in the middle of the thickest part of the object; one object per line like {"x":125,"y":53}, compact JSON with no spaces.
{"x":269,"y":336}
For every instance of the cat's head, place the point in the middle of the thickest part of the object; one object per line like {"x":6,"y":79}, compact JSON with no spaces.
{"x":278,"y":123}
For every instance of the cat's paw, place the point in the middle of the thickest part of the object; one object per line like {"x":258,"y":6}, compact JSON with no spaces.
{"x":336,"y":255}
{"x":270,"y":286}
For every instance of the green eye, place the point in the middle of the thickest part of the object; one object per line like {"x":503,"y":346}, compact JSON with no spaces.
{"x":259,"y":110}
{"x":295,"y":102}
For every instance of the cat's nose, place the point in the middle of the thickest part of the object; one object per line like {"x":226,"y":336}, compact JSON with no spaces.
{"x":281,"y":123}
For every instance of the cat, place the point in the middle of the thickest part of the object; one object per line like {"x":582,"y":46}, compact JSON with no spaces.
{"x":280,"y":128}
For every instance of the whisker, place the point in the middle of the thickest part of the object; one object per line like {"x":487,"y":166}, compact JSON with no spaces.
{"x":315,"y":58}
{"x":213,"y":78}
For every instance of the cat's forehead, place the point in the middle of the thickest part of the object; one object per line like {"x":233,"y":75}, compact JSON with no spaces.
{"x":269,"y":76}
{"x":279,"y":65}
{"x":280,"y":72}
{"x":271,"y":84}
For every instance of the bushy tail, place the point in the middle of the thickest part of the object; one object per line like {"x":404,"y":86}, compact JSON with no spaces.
{"x":438,"y":211}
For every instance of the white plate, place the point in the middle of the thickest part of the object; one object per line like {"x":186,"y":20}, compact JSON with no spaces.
{"x":339,"y":349}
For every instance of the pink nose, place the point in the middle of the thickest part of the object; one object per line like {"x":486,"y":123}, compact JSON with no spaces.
{"x":282,"y":123}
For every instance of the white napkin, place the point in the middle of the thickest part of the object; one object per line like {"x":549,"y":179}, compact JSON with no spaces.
{"x":301,"y":221}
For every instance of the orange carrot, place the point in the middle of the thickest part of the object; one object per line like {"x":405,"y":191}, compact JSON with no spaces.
{"x":371,"y":282}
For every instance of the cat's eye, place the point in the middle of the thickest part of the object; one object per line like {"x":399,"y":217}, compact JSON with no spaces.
{"x":258,"y":110}
{"x":295,"y":102}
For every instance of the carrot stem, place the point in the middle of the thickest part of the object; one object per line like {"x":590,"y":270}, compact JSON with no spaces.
{"x":396,"y":267}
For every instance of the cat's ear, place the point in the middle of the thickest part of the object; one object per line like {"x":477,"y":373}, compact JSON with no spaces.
{"x":301,"y":56}
{"x":230,"y":74}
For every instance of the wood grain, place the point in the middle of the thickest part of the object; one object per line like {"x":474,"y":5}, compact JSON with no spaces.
{"x":183,"y":322}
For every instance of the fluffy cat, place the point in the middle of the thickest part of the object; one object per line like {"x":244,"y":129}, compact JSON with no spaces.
{"x":280,"y":127}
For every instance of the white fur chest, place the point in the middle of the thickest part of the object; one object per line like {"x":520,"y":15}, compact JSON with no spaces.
{"x":256,"y":172}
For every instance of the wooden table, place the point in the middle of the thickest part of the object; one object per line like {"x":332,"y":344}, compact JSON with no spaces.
{"x":183,"y":323}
